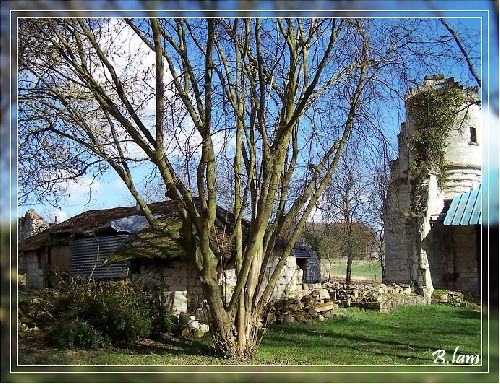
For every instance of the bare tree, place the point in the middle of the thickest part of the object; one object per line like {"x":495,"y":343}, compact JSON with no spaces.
{"x":462,"y":48}
{"x":274,"y":101}
{"x":347,"y":203}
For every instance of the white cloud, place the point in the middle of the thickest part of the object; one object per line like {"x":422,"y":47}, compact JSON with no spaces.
{"x":80,"y":190}
{"x":57,"y":215}
{"x":117,"y":183}
{"x":134,"y":63}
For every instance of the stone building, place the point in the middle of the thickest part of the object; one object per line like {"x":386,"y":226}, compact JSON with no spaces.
{"x":31,"y":224}
{"x":118,"y":243}
{"x":430,"y":252}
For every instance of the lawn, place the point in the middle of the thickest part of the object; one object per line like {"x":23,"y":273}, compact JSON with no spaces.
{"x":360,"y":269}
{"x":408,"y":335}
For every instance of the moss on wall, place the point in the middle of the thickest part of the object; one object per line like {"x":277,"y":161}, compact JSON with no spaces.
{"x":150,"y":243}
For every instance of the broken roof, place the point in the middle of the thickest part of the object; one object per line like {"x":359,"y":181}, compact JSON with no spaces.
{"x":143,"y":242}
{"x":117,"y":220}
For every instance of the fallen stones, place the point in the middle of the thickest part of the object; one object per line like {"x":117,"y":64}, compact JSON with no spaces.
{"x":440,"y":298}
{"x":449,"y":297}
{"x":324,"y":294}
{"x":319,"y":302}
{"x":312,"y":307}
{"x":324,"y":307}
{"x":379,"y":297}
{"x":329,"y":314}
{"x":190,"y":326}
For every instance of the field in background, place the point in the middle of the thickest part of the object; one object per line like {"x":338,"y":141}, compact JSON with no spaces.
{"x":361,"y":269}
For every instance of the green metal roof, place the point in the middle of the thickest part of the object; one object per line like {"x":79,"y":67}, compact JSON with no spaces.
{"x":465,"y":209}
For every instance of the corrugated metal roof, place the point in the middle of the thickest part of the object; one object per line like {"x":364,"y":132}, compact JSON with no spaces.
{"x":465,"y":209}
{"x":301,"y":252}
{"x":88,"y":255}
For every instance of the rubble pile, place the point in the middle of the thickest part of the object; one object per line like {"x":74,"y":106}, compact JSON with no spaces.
{"x":189,"y":325}
{"x":457,"y":299}
{"x":311,"y":307}
{"x":34,"y":314}
{"x":380,"y":297}
{"x":321,"y":301}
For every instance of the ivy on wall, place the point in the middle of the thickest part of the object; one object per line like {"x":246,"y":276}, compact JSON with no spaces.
{"x":434,"y":112}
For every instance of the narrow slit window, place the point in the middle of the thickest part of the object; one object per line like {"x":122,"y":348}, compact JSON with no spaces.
{"x":473,"y":135}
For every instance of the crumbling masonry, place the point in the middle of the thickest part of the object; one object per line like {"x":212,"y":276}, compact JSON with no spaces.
{"x":409,"y":255}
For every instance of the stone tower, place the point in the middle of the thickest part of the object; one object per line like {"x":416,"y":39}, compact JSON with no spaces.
{"x":405,"y":253}
{"x":31,"y":224}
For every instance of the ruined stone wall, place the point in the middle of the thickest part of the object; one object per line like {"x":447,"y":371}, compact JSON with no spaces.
{"x":397,"y":263}
{"x":463,"y":156}
{"x":312,"y":269}
{"x":406,"y":256}
{"x":180,"y":283}
{"x":290,"y":279}
{"x":30,"y":224}
{"x":182,"y":286}
{"x":30,"y":265}
{"x":35,"y":265}
{"x":453,"y":258}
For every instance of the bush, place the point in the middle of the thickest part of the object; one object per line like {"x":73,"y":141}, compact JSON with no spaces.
{"x":165,"y":322}
{"x":120,"y":311}
{"x":78,"y":334}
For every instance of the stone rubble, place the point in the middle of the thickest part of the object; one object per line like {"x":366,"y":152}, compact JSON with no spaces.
{"x":380,"y":297}
{"x":321,"y":301}
{"x":305,"y":310}
{"x":191,"y":326}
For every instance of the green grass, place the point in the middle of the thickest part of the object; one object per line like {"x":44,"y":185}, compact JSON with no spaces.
{"x":360,"y":269}
{"x":407,"y":335}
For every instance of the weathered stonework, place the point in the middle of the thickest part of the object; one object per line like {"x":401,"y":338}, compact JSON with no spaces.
{"x":323,"y":300}
{"x":31,"y":224}
{"x":30,"y":267}
{"x":182,"y":291}
{"x":412,"y":252}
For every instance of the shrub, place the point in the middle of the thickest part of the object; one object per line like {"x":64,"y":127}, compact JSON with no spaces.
{"x":77,"y":334}
{"x":165,"y":322}
{"x":120,"y":311}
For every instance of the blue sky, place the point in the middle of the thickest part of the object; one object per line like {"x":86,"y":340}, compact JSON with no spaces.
{"x":109,"y":191}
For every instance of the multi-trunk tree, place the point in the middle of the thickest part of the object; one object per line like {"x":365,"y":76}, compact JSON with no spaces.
{"x":252,"y":111}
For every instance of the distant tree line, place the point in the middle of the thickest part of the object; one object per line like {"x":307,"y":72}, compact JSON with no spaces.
{"x":330,"y":241}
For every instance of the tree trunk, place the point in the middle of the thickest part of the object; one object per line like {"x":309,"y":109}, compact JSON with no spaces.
{"x":235,"y":336}
{"x":228,"y":344}
{"x":348,"y":270}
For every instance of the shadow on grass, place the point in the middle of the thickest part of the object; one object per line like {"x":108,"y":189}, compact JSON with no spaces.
{"x":468,"y":314}
{"x":399,"y":335}
{"x":33,"y":351}
{"x":351,"y":342}
{"x":170,"y":345}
